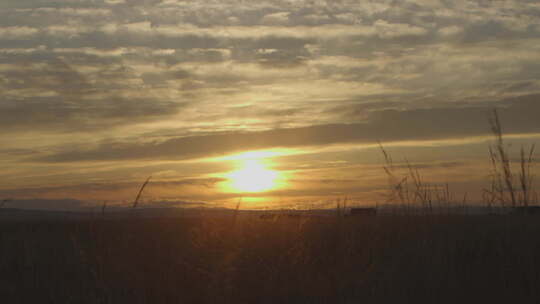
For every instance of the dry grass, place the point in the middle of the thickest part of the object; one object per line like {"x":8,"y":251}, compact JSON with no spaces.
{"x":410,"y":190}
{"x":136,"y":202}
{"x":413,"y":194}
{"x":503,"y":188}
{"x":200,"y":259}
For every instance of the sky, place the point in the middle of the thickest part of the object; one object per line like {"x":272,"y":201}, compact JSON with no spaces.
{"x":281,"y":103}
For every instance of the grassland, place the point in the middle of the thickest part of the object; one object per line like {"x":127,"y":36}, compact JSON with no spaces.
{"x":428,"y":251}
{"x":244,"y":259}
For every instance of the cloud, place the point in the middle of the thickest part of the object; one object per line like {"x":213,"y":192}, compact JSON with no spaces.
{"x":280,"y":18}
{"x":74,"y":205}
{"x":450,"y":30}
{"x":50,"y":113}
{"x":171,"y":79}
{"x":157,"y":190}
{"x":47,"y":204}
{"x":391,"y":30}
{"x":519,"y":116}
{"x":50,"y":92}
{"x":17,"y":32}
{"x":436,"y":165}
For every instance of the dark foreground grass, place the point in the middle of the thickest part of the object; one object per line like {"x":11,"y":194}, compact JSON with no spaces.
{"x":205,"y":259}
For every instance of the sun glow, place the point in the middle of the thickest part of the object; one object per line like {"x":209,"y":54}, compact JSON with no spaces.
{"x":254,"y":176}
{"x":253,"y":173}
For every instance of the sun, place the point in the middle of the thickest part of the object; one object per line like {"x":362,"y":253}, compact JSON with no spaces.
{"x":253,"y":172}
{"x":253,"y":176}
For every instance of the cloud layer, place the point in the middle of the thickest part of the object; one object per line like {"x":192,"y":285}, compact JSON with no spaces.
{"x":168,"y":80}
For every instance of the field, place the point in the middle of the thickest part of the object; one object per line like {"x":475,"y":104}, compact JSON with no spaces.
{"x":240,"y":258}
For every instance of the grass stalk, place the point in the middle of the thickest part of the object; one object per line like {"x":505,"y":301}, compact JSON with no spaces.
{"x":103,"y":207}
{"x":499,"y":155}
{"x":136,"y":202}
{"x":503,"y":187}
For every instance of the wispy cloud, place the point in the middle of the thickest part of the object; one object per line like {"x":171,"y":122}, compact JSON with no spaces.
{"x":169,"y":79}
{"x":381,"y":125}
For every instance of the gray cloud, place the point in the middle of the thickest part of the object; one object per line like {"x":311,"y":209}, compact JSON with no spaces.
{"x":520,"y":116}
{"x":48,"y":204}
{"x":74,"y":205}
{"x":125,"y":189}
{"x":50,"y":113}
{"x":48,"y":92}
